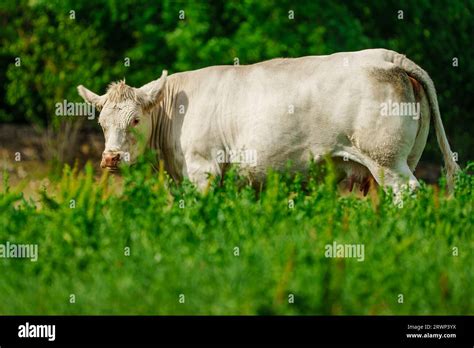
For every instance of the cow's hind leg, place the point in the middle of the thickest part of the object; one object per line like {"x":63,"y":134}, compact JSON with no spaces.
{"x":398,"y":178}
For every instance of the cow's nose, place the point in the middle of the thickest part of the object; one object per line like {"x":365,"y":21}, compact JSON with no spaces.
{"x":110,"y":160}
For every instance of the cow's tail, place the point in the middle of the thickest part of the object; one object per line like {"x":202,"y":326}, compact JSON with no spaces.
{"x":422,"y":76}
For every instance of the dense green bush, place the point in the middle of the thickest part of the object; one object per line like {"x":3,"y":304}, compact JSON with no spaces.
{"x":55,"y":55}
{"x":183,"y":242}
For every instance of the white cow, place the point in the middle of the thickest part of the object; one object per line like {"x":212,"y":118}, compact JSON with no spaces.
{"x":368,"y":110}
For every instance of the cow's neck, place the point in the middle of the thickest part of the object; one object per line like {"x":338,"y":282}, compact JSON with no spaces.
{"x":163,"y":123}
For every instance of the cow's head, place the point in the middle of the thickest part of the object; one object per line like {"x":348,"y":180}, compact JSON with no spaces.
{"x":124,"y":117}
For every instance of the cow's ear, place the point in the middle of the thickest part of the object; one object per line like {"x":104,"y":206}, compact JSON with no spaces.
{"x":153,"y":90}
{"x":90,"y":97}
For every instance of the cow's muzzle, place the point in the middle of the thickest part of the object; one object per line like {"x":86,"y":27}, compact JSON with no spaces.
{"x":110,"y":161}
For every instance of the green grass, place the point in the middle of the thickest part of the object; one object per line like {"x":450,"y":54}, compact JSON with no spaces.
{"x":191,"y":250}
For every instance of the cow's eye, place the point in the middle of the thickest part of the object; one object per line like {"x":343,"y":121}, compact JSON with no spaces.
{"x":135,"y":122}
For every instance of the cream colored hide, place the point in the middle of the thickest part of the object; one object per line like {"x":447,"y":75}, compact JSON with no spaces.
{"x":368,"y":110}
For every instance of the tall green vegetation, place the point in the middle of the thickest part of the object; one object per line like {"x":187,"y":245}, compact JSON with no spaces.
{"x":134,"y":245}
